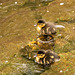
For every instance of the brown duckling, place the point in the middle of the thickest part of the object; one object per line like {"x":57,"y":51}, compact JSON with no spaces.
{"x":46,"y":57}
{"x":45,"y":41}
{"x":45,"y":28}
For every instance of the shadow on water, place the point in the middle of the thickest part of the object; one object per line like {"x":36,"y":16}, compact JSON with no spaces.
{"x":37,"y":3}
{"x":34,"y":68}
{"x":27,"y":67}
{"x":68,"y":21}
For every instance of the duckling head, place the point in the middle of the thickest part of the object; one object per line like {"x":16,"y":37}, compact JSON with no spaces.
{"x":40,"y":24}
{"x":40,"y":55}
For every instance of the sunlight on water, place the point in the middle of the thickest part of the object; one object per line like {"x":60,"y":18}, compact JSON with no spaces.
{"x":18,"y":27}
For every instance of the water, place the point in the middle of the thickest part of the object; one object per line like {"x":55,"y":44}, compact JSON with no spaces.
{"x":17,"y":20}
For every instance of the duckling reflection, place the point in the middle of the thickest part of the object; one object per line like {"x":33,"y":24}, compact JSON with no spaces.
{"x":45,"y":28}
{"x":46,"y":57}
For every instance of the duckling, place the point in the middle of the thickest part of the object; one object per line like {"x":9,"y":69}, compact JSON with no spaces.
{"x":46,"y":57}
{"x":45,"y":42}
{"x":45,"y":28}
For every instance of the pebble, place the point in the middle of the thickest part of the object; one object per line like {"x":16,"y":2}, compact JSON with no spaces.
{"x":61,"y":71}
{"x":47,"y":11}
{"x":15,"y":2}
{"x":61,"y":3}
{"x":6,"y":61}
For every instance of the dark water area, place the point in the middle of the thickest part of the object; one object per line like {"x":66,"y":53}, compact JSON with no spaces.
{"x":17,"y":29}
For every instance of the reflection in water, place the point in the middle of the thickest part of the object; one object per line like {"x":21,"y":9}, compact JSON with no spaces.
{"x":26,"y":69}
{"x":36,"y":3}
{"x":68,"y":21}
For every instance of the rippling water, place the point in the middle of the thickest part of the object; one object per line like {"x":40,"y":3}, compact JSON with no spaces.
{"x":18,"y":28}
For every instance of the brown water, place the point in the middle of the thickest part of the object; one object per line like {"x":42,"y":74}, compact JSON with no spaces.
{"x":17,"y":19}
